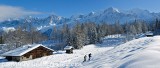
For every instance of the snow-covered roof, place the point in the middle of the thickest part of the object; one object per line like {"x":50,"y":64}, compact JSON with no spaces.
{"x":23,"y":50}
{"x":149,"y":33}
{"x":68,"y":47}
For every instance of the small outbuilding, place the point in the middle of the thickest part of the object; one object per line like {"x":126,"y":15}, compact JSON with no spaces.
{"x":149,"y":34}
{"x":69,"y":49}
{"x":28,"y":52}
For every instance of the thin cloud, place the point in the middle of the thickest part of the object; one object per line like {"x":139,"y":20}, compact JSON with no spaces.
{"x":7,"y":12}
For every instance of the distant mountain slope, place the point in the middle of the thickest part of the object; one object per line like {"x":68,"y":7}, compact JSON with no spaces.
{"x":110,"y":15}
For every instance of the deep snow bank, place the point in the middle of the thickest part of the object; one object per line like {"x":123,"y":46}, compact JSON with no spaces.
{"x":113,"y":58}
{"x":148,"y":58}
{"x":138,"y":53}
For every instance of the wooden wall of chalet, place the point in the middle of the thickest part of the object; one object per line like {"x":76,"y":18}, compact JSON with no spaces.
{"x":38,"y":52}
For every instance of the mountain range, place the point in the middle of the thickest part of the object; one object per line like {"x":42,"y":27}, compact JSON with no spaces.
{"x":110,"y":15}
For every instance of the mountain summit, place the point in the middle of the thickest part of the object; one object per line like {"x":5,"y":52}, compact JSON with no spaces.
{"x":111,"y":10}
{"x":110,"y":15}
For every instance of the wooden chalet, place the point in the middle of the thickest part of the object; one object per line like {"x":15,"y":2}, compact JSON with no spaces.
{"x":28,"y":52}
{"x":69,"y":49}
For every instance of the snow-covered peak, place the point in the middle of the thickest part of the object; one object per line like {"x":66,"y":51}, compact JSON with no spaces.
{"x":51,"y":21}
{"x":138,"y":11}
{"x":28,"y":17}
{"x":8,"y":29}
{"x":55,"y":17}
{"x":109,"y":15}
{"x":91,"y":13}
{"x":111,"y":10}
{"x":77,"y":16}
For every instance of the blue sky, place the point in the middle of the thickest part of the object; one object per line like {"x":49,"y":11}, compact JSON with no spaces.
{"x":67,"y":8}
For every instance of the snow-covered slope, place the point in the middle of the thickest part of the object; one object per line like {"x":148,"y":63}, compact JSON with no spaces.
{"x":112,"y":15}
{"x":113,"y":57}
{"x":147,"y":58}
{"x":138,"y":53}
{"x":60,"y":59}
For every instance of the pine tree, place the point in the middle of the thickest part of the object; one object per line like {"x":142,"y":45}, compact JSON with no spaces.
{"x":133,"y":30}
{"x":1,"y":40}
{"x":79,"y":36}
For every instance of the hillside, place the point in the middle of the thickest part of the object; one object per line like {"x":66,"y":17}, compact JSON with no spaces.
{"x":138,"y":53}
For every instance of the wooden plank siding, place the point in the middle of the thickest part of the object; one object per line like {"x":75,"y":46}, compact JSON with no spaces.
{"x":38,"y":52}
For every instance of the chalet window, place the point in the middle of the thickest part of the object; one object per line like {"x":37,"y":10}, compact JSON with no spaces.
{"x":44,"y":54}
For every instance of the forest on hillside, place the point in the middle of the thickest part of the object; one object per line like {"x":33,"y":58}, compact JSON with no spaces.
{"x":79,"y":35}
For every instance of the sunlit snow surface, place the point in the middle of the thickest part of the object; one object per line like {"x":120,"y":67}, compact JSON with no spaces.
{"x":138,"y":53}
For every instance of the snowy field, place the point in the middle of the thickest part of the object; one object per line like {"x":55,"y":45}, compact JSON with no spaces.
{"x":138,"y":53}
{"x":60,"y":59}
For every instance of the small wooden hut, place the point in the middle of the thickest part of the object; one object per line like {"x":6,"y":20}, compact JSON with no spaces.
{"x":28,"y":52}
{"x":69,"y":49}
{"x":149,"y":34}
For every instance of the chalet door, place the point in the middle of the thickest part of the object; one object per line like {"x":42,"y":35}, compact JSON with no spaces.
{"x":44,"y":54}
